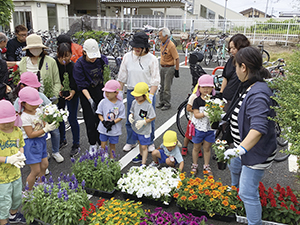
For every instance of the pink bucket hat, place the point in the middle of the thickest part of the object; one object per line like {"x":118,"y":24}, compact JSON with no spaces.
{"x":30,"y":96}
{"x":30,"y":79}
{"x":112,"y":86}
{"x":206,"y":80}
{"x":7,"y":112}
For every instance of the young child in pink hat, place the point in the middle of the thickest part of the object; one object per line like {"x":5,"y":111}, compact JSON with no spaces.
{"x":11,"y":160}
{"x":203,"y":133}
{"x":111,"y":111}
{"x":30,"y":79}
{"x":34,"y":130}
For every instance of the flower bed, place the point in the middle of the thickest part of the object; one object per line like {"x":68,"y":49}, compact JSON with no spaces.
{"x":98,"y":171}
{"x":55,"y":203}
{"x":113,"y":211}
{"x":149,"y":182}
{"x":208,"y":195}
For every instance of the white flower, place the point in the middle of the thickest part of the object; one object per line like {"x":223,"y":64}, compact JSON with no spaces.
{"x":221,"y":147}
{"x":218,"y":141}
{"x":224,"y":142}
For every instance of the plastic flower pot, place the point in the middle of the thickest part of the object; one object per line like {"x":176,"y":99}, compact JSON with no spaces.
{"x":99,"y":193}
{"x":222,"y":165}
{"x":65,"y":93}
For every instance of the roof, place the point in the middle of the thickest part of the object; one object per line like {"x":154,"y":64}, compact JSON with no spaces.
{"x":145,"y":3}
{"x":251,"y":10}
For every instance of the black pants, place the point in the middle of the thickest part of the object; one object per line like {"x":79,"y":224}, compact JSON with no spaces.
{"x":91,"y":120}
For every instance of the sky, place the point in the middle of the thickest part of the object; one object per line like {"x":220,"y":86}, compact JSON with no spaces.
{"x":275,"y":5}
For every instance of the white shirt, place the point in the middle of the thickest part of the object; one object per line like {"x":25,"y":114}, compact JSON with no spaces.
{"x":31,"y":120}
{"x":135,"y":69}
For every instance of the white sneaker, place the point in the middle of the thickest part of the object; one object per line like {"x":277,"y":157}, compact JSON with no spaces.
{"x":47,"y":172}
{"x":154,"y":164}
{"x":151,"y":148}
{"x":93,"y":149}
{"x":129,"y":147}
{"x":58,"y":157}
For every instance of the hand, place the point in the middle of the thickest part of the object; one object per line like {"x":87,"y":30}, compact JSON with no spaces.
{"x":49,"y":127}
{"x":105,"y":123}
{"x":151,"y":97}
{"x":206,"y":114}
{"x":140,"y":123}
{"x":72,"y":93}
{"x":219,"y":95}
{"x":130,"y":118}
{"x":176,"y":74}
{"x":18,"y":157}
{"x":8,"y":89}
{"x":19,"y":164}
{"x":235,"y":152}
{"x":93,"y":105}
{"x":110,"y":124}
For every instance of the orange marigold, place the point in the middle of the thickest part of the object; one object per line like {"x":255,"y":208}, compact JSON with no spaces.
{"x":225,"y":203}
{"x":233,"y":188}
{"x":211,"y":199}
{"x":233,"y":207}
{"x":190,"y":198}
{"x":194,"y":196}
{"x":183,"y":198}
{"x":175,"y":195}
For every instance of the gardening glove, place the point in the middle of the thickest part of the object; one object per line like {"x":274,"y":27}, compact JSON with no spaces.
{"x":49,"y":127}
{"x":110,"y":124}
{"x":19,"y":164}
{"x":105,"y":123}
{"x":176,"y":74}
{"x":140,"y":123}
{"x":93,"y":105}
{"x":18,"y":157}
{"x":235,"y":152}
{"x":151,"y":97}
{"x":130,"y":119}
{"x":206,"y":114}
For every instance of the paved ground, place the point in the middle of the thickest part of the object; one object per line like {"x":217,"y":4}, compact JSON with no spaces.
{"x":278,"y":173}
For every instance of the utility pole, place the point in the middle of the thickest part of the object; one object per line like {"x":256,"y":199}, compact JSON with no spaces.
{"x":266,"y":9}
{"x":225,"y":20}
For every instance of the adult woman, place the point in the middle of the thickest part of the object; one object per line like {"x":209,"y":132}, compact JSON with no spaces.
{"x":230,"y":80}
{"x":88,"y":74}
{"x":252,"y":131}
{"x":65,"y":66}
{"x":38,"y":62}
{"x":139,"y":66}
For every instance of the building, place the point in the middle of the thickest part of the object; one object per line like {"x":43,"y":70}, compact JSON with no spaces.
{"x":254,"y":13}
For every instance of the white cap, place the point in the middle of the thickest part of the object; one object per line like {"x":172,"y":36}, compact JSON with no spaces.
{"x":90,"y":46}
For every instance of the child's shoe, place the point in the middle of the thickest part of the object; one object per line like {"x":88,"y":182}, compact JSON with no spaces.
{"x":142,"y":165}
{"x":194,"y":168}
{"x":207,"y":170}
{"x":154,"y":164}
{"x":200,"y":154}
{"x":17,"y":218}
{"x":184,"y":151}
{"x":137,"y":159}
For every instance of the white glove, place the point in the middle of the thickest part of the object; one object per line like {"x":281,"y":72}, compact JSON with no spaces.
{"x":140,"y":123}
{"x":151,"y":97}
{"x":15,"y":158}
{"x":130,"y":118}
{"x":240,"y":150}
{"x":49,"y":127}
{"x":206,"y":114}
{"x":20,"y":164}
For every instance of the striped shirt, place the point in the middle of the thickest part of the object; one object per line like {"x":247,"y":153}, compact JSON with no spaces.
{"x":236,"y":135}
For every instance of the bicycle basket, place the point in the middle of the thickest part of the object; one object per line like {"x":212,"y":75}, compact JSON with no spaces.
{"x":184,"y":36}
{"x":196,"y":57}
{"x":196,"y":72}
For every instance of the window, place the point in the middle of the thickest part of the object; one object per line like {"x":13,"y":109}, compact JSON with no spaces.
{"x":52,"y":15}
{"x":203,"y":11}
{"x":22,"y":17}
{"x":211,"y":15}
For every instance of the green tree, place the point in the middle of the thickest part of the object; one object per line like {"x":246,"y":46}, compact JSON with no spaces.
{"x":6,"y":10}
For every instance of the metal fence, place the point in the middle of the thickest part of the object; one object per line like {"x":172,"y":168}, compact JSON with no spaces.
{"x":281,"y":32}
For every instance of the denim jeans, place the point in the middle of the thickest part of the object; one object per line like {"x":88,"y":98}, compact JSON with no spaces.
{"x":235,"y":168}
{"x":130,"y":99}
{"x":249,"y":181}
{"x":72,"y":106}
{"x":55,"y":138}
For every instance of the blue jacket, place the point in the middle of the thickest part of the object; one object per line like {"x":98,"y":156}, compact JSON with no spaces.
{"x":84,"y":72}
{"x":253,"y":114}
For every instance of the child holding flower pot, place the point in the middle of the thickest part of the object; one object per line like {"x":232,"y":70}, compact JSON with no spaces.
{"x":140,"y":117}
{"x":168,"y":152}
{"x":34,"y":130}
{"x":111,"y":111}
{"x":202,"y":131}
{"x":11,"y":160}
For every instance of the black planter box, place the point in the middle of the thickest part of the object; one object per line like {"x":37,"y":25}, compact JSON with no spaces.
{"x":199,"y":213}
{"x":146,"y":200}
{"x":99,"y":193}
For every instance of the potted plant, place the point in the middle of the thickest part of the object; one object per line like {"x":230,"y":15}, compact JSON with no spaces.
{"x":99,"y":172}
{"x":113,"y":211}
{"x":279,"y":206}
{"x":149,"y":184}
{"x":55,"y":202}
{"x":50,"y":113}
{"x":106,"y":74}
{"x":214,"y":108}
{"x":207,"y":197}
{"x":65,"y":91}
{"x":48,"y":87}
{"x":177,"y":218}
{"x":220,"y":147}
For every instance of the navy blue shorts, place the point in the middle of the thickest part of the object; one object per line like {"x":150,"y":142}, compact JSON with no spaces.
{"x":111,"y":139}
{"x":143,"y":139}
{"x":208,"y":136}
{"x":35,"y":149}
{"x":163,"y":157}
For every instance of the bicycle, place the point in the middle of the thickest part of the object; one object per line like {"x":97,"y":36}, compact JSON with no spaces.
{"x":222,"y":51}
{"x":276,"y":69}
{"x":264,"y":53}
{"x":187,"y":38}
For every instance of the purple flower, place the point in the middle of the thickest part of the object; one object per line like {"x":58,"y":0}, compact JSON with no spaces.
{"x":177,"y":215}
{"x":58,"y":179}
{"x":59,"y":194}
{"x":160,"y":220}
{"x":26,"y":187}
{"x":68,"y":178}
{"x":45,"y":190}
{"x":51,"y":180}
{"x":194,"y":223}
{"x":50,"y":173}
{"x":73,"y":177}
{"x":114,"y":154}
{"x":59,"y":185}
{"x":70,"y":185}
{"x":72,"y":160}
{"x":143,"y":223}
{"x":83,"y":184}
{"x":95,"y":163}
{"x":158,"y":209}
{"x":61,"y":174}
{"x":43,"y":178}
{"x":66,"y":198}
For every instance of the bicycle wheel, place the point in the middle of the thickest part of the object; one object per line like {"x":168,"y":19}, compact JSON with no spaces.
{"x":280,"y":140}
{"x":214,"y":55}
{"x":183,"y":46}
{"x":157,"y":45}
{"x":265,"y":56}
{"x":174,"y":41}
{"x":182,"y":117}
{"x":207,"y":57}
{"x":281,"y":155}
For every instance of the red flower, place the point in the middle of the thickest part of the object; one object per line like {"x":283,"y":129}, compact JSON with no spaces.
{"x":100,"y":203}
{"x":263,"y":202}
{"x":277,"y":187}
{"x":273,"y":203}
{"x":283,"y":205}
{"x":282,"y":192}
{"x":298,"y":212}
{"x":92,"y":208}
{"x":84,"y":214}
{"x":293,"y":208}
{"x":4,"y":50}
{"x":15,"y":68}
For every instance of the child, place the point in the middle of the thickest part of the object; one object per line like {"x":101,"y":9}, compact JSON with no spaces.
{"x":30,"y":79}
{"x":34,"y":134}
{"x":11,"y":160}
{"x":188,"y":135}
{"x":168,"y":152}
{"x":111,"y":111}
{"x":141,"y":115}
{"x":203,"y":132}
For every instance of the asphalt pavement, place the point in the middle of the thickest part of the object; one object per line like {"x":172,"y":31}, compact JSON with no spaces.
{"x":166,"y":120}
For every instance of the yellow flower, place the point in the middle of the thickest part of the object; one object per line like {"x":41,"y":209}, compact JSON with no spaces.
{"x":233,"y":207}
